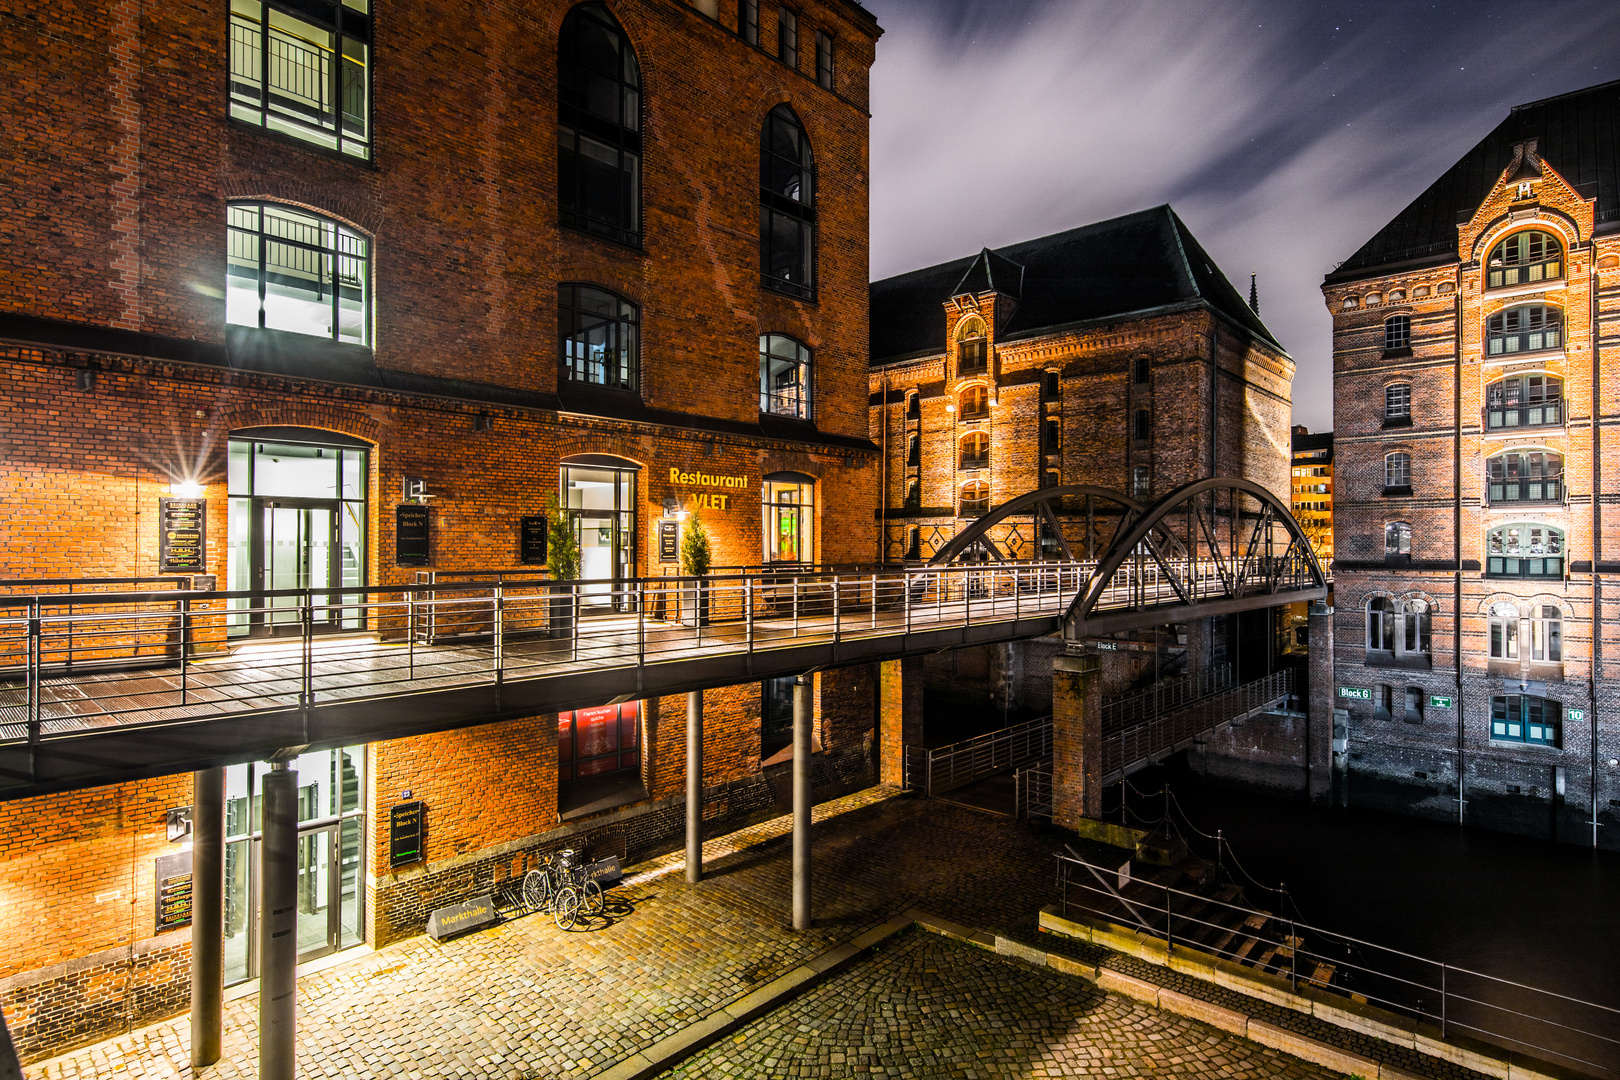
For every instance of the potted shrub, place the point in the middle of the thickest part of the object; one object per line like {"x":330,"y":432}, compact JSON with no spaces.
{"x":695,"y":558}
{"x":562,"y":564}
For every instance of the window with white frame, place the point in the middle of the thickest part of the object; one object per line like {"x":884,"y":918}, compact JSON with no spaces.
{"x":1504,"y":631}
{"x":1547,"y":634}
{"x":296,"y":271}
{"x":1398,"y":404}
{"x":1400,"y":628}
{"x":1398,"y":471}
{"x":1398,"y":331}
{"x":1397,"y":539}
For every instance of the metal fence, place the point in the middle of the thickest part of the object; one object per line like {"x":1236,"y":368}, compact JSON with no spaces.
{"x":1165,"y":694}
{"x":939,"y":770}
{"x":1131,"y":747}
{"x":1032,"y":790}
{"x":1458,"y":1000}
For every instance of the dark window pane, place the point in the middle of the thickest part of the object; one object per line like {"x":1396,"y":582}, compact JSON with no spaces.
{"x":599,"y":126}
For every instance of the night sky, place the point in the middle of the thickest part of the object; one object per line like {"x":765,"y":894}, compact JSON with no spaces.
{"x":1284,"y":132}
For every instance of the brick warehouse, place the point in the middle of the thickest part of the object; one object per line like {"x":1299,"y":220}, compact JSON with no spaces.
{"x":1115,"y":354}
{"x":1474,"y":420}
{"x":310,"y":260}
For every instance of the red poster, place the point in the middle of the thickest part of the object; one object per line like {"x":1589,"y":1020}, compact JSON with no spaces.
{"x":595,"y":732}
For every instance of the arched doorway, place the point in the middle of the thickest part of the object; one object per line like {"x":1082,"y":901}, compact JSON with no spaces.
{"x":298,"y":520}
{"x":788,"y":504}
{"x":598,"y":492}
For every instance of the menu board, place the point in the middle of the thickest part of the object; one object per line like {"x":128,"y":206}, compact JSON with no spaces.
{"x":532,"y":540}
{"x":172,"y":891}
{"x":411,"y":529}
{"x":405,"y":833}
{"x":181,"y":527}
{"x":668,"y":541}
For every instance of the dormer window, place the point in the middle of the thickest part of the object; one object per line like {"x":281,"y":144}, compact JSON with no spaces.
{"x":972,"y":355}
{"x":1524,"y":258}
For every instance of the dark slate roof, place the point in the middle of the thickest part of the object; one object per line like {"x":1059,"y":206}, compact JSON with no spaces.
{"x":1129,"y":264}
{"x":1575,"y":134}
{"x":1305,"y":442}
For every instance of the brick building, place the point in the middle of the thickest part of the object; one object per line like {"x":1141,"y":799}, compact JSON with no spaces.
{"x":308,"y":261}
{"x":1115,"y":354}
{"x":1474,"y":416}
{"x":1312,"y":500}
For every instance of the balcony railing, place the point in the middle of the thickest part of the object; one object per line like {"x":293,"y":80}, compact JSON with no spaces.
{"x":1526,"y":489}
{"x":1545,"y":414}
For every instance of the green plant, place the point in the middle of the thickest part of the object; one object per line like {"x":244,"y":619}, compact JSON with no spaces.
{"x":562,"y":547}
{"x":695,"y":548}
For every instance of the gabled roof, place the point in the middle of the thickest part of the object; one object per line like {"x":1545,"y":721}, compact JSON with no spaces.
{"x":1128,"y":264}
{"x":1575,"y":133}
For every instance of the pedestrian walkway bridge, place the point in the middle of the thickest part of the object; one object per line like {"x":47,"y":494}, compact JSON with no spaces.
{"x":97,"y":687}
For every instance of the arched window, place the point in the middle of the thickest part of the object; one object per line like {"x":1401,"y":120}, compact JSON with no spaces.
{"x":1398,"y":472}
{"x":975,"y":498}
{"x":972,"y":355}
{"x":1523,"y":258}
{"x":1525,"y":476}
{"x":1546,"y":634}
{"x":975,"y":403}
{"x":1397,"y":404}
{"x":292,"y":270}
{"x":1399,"y":628}
{"x":1141,"y":369}
{"x":914,"y":493}
{"x":913,"y":543}
{"x":784,"y":376}
{"x":1525,"y":401}
{"x":1397,"y":539}
{"x":597,"y":337}
{"x":1398,"y":332}
{"x":975,"y":451}
{"x":913,"y":406}
{"x":1381,"y":624}
{"x":787,"y":206}
{"x":598,"y":126}
{"x":1524,"y":549}
{"x":913,"y":449}
{"x":1526,"y":328}
{"x":1504,"y":631}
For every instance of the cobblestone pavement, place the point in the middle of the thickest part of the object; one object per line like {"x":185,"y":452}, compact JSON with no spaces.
{"x":928,"y":1007}
{"x":525,"y":1000}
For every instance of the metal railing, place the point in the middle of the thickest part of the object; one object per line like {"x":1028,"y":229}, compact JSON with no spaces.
{"x":1130,"y":747}
{"x":1032,"y":790}
{"x":482,"y":633}
{"x":1165,"y":694}
{"x":1456,"y":999}
{"x":939,"y":770}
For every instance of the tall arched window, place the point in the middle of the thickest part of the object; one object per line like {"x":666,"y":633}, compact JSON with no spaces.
{"x":1524,"y":258}
{"x":1546,"y":633}
{"x":914,"y":493}
{"x":1141,"y":425}
{"x":1526,"y":328}
{"x":1525,"y":401}
{"x":913,"y":449}
{"x":597,"y":337}
{"x":1398,"y":405}
{"x":784,"y":376}
{"x":975,"y":497}
{"x":1398,"y":472}
{"x":1398,"y":332}
{"x":975,"y":451}
{"x":975,"y":403}
{"x":292,"y":270}
{"x":598,"y":126}
{"x":972,"y":356}
{"x":787,"y":206}
{"x":1525,"y":476}
{"x":1504,"y":631}
{"x":1381,"y":624}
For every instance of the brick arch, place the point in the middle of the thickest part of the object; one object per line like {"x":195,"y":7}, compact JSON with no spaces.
{"x":1546,"y":219}
{"x":329,"y":200}
{"x":776,"y":461}
{"x":310,"y":416}
{"x":1419,"y":594}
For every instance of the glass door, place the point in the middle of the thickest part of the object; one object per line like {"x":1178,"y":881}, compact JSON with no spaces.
{"x":317,"y":934}
{"x":602,"y":505}
{"x":296,"y":552}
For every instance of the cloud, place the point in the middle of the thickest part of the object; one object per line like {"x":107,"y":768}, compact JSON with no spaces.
{"x":1285,"y":136}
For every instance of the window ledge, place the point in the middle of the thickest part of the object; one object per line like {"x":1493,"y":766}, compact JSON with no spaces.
{"x":636,"y":247}
{"x":792,"y":292}
{"x":1403,"y":662}
{"x":1397,"y":421}
{"x":1398,"y":492}
{"x":1523,"y":744}
{"x":1398,"y":354}
{"x":286,"y":139}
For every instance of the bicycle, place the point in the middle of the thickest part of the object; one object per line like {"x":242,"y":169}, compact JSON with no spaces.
{"x":562,"y":886}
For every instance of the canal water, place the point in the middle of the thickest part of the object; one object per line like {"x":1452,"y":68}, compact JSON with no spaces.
{"x":1526,"y":910}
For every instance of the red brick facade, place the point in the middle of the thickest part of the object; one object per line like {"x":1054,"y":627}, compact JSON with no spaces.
{"x":122,"y":380}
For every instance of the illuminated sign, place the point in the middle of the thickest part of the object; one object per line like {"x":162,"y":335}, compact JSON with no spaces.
{"x":707,"y":500}
{"x":1355,"y":693}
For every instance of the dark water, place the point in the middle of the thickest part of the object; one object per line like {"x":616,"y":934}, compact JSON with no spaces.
{"x":1526,"y":910}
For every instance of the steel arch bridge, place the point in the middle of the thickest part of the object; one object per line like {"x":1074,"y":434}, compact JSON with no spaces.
{"x":1210,"y":547}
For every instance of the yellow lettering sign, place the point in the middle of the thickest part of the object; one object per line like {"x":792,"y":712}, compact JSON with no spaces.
{"x":703,"y":479}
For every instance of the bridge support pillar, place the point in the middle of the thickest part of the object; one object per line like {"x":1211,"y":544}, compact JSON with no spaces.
{"x":694,"y":786}
{"x":1076,"y":740}
{"x":900,"y":716}
{"x":207,"y":916}
{"x":1319,"y":705}
{"x":278,"y":926}
{"x":803,"y":710}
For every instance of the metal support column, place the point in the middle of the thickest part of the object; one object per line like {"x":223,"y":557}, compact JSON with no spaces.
{"x":694,"y":786}
{"x":802,"y":706}
{"x":278,"y":926}
{"x":207,"y":916}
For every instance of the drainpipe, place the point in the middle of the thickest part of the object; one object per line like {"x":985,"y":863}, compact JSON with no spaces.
{"x":883,"y":481}
{"x":1456,"y":536}
{"x":1597,"y":545}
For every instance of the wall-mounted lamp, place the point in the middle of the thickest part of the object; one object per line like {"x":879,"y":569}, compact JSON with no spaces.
{"x":86,"y":379}
{"x":188,"y":489}
{"x":950,"y":406}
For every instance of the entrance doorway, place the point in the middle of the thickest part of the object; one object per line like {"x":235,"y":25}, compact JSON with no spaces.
{"x":331,"y":854}
{"x":599,"y":493}
{"x":297,"y":522}
{"x":789,"y":504}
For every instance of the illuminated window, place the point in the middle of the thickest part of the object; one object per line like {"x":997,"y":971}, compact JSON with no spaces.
{"x":1526,"y":328}
{"x":1524,"y":549}
{"x":787,"y":206}
{"x":597,"y":334}
{"x":292,"y":270}
{"x":318,"y":88}
{"x":784,"y":376}
{"x":975,"y":451}
{"x":975,"y":498}
{"x":1524,"y":258}
{"x":974,"y":403}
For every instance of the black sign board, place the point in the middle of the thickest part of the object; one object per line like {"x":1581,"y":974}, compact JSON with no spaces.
{"x":405,"y":833}
{"x":668,"y":542}
{"x":459,"y":918}
{"x":181,"y":527}
{"x":173,"y":891}
{"x":532,"y":540}
{"x":411,"y":527}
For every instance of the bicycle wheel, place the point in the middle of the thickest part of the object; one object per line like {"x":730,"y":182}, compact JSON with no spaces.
{"x":565,"y":908}
{"x":593,"y":898}
{"x":536,"y":890}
